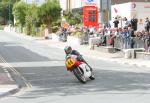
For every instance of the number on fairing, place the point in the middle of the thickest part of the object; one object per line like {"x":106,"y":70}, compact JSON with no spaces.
{"x":70,"y":63}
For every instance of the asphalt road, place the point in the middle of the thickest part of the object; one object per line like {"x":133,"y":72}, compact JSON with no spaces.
{"x":43,"y":67}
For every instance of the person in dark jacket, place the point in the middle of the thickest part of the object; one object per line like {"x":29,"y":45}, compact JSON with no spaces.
{"x":116,"y":22}
{"x":147,"y":25}
{"x":134,"y":22}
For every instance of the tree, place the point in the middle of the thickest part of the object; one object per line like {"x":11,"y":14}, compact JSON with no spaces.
{"x":31,"y":19}
{"x":6,"y":9}
{"x":49,"y":12}
{"x":73,"y":19}
{"x":19,"y":11}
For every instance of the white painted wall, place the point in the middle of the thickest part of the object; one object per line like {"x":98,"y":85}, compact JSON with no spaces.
{"x":140,"y":10}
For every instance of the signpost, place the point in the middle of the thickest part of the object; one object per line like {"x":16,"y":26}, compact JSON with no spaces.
{"x":90,"y":13}
{"x":90,"y":16}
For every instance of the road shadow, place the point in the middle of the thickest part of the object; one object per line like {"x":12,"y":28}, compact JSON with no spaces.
{"x":50,"y":81}
{"x":12,"y":52}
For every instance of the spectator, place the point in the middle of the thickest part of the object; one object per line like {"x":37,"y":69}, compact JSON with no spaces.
{"x":131,"y":34}
{"x":126,"y":40}
{"x":134,"y":22}
{"x":91,"y":30}
{"x":116,"y":22}
{"x":146,"y":39}
{"x":147,"y":25}
{"x":125,"y":22}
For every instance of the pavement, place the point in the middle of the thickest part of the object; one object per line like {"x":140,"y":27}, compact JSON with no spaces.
{"x":8,"y":86}
{"x":85,"y":51}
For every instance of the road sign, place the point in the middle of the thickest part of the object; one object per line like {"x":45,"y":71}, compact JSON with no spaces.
{"x":90,"y":14}
{"x":90,"y":2}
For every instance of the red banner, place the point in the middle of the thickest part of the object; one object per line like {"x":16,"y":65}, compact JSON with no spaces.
{"x":90,"y":16}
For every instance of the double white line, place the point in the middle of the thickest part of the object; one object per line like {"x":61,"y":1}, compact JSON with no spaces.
{"x":14,"y":71}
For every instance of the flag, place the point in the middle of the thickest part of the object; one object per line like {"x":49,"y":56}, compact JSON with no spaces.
{"x":116,"y":11}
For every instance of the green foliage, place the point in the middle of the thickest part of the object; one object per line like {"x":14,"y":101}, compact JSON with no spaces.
{"x":1,"y":27}
{"x":19,"y":11}
{"x":57,"y":23}
{"x":31,"y":16}
{"x":55,"y":29}
{"x":12,"y":1}
{"x":42,"y":28}
{"x":31,"y":19}
{"x":33,"y":32}
{"x":28,"y":29}
{"x":49,"y":12}
{"x":73,"y":19}
{"x":6,"y":9}
{"x":77,"y":33}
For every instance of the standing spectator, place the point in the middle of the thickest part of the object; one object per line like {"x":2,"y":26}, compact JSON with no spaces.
{"x":91,"y":30}
{"x":131,"y":34}
{"x":125,"y":36}
{"x":146,"y":39}
{"x":134,"y":22}
{"x":125,"y":22}
{"x":116,"y":22}
{"x":147,"y":25}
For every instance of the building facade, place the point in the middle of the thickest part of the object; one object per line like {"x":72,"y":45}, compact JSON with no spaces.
{"x":125,"y":1}
{"x":77,"y":6}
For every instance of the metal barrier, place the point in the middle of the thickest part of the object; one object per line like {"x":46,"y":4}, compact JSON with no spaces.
{"x":127,"y":43}
{"x":85,"y":38}
{"x":118,"y":41}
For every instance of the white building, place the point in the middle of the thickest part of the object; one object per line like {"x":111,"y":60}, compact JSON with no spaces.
{"x":139,"y":10}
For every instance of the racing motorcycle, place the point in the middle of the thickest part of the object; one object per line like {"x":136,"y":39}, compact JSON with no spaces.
{"x":80,"y":69}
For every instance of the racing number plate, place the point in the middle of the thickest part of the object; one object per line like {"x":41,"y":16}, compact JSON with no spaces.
{"x":70,"y":63}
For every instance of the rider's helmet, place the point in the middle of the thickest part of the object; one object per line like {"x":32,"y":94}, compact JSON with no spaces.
{"x":68,"y":49}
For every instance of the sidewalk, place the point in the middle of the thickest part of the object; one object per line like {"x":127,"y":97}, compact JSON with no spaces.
{"x":7,"y":84}
{"x":84,"y":49}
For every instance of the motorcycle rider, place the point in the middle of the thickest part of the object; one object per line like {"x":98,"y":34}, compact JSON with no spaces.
{"x":69,"y":51}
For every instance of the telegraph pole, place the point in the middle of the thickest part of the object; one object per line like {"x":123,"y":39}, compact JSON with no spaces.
{"x":101,"y":11}
{"x":108,"y":10}
{"x":9,"y":12}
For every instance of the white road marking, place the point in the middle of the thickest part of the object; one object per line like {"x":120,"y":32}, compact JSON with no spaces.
{"x":35,"y":64}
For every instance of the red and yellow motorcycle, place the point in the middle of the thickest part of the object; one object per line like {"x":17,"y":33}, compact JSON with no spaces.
{"x":81,"y":69}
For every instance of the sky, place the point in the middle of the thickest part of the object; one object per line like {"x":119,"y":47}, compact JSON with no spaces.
{"x":37,"y":1}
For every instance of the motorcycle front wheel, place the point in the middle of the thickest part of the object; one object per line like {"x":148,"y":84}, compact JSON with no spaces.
{"x":78,"y":72}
